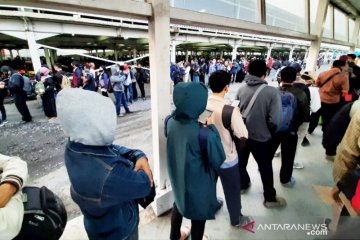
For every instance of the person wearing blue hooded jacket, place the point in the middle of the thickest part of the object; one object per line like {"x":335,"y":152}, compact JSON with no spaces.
{"x":193,"y":174}
{"x":106,"y":179}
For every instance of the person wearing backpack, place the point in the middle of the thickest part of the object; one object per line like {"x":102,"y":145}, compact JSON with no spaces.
{"x":128,"y":84}
{"x":260,"y":105}
{"x":103,"y":81}
{"x":107,"y":181}
{"x":15,"y":86}
{"x":332,"y":84}
{"x":3,"y":93}
{"x":295,"y":111}
{"x":229,"y":171}
{"x":194,"y":156}
{"x":13,"y":176}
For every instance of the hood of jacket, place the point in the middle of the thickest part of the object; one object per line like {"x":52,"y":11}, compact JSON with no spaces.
{"x":93,"y":122}
{"x":113,"y":70}
{"x":252,"y":80}
{"x":190,"y":100}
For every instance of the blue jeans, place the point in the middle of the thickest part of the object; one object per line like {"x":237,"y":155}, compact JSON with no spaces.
{"x":129,"y":98}
{"x":120,"y":99}
{"x":196,"y":78}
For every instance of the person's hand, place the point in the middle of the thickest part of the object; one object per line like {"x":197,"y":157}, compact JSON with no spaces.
{"x":143,"y":164}
{"x":7,"y":190}
{"x":335,"y":194}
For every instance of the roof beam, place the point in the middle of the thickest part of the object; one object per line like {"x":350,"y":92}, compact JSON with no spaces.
{"x":113,"y":8}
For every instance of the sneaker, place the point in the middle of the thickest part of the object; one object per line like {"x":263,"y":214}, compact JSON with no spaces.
{"x":330,"y":158}
{"x":121,"y":115}
{"x":305,"y":142}
{"x":2,"y":124}
{"x":298,"y":165}
{"x":5,"y":121}
{"x":280,"y":202}
{"x":277,"y":154}
{"x":129,"y":111}
{"x":290,"y":184}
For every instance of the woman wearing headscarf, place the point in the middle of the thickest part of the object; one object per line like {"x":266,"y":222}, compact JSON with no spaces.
{"x":48,"y":98}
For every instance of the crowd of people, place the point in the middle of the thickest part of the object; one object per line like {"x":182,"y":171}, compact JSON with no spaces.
{"x":123,"y":83}
{"x":206,"y":139}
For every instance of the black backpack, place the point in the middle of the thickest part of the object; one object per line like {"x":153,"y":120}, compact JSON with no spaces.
{"x":45,"y":215}
{"x":16,"y":82}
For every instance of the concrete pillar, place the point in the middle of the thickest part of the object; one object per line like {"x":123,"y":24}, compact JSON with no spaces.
{"x":104,"y":53}
{"x":53,"y":55}
{"x":173,"y":52}
{"x":11,"y":54}
{"x":221,"y":54}
{"x":161,"y":88}
{"x":186,"y":55}
{"x":269,"y":52}
{"x":291,"y":52}
{"x":47,"y":57}
{"x":116,"y":55}
{"x":234,"y":52}
{"x":97,"y":53}
{"x":33,"y":48}
{"x":134,"y":54}
{"x":18,"y":53}
{"x":354,"y":37}
{"x":315,"y":44}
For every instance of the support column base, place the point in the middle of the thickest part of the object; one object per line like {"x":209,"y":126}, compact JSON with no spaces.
{"x":163,"y":201}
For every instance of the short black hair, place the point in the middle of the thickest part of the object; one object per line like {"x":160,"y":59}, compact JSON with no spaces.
{"x":219,"y":80}
{"x":338,"y":63}
{"x":288,"y":74}
{"x":351,"y":55}
{"x":257,"y":68}
{"x":57,"y":65}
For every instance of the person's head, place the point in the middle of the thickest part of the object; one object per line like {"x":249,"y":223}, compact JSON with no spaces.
{"x":309,"y":77}
{"x":92,"y":65}
{"x":96,"y":113}
{"x":102,"y":68}
{"x":126,"y":68}
{"x":74,"y":64}
{"x":139,"y":65}
{"x":351,"y":57}
{"x":44,"y":71}
{"x":342,"y":65}
{"x":288,"y":75}
{"x":57,"y":67}
{"x":6,"y":70}
{"x":258,"y":68}
{"x":118,"y":67}
{"x":296,"y":66}
{"x":219,"y":81}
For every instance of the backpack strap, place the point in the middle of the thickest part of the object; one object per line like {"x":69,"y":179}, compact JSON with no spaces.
{"x":226,"y":118}
{"x":327,"y":80}
{"x":203,"y":139}
{"x":166,"y":123}
{"x":252,"y":101}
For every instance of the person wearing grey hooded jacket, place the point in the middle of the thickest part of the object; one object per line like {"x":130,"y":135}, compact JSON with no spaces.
{"x":262,"y":121}
{"x":117,"y":80}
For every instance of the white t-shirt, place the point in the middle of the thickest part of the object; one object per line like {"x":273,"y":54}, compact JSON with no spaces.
{"x":315,"y":103}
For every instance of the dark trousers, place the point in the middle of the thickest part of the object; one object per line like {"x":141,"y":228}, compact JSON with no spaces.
{"x":2,"y":108}
{"x":327,"y":112}
{"x":288,"y":143}
{"x":314,"y":120}
{"x":263,"y":154}
{"x":230,"y":179}
{"x":197,"y":227}
{"x":135,"y":92}
{"x":48,"y":101}
{"x":105,"y":94}
{"x":20,"y":103}
{"x":120,"y":99}
{"x":142,"y":88}
{"x":202,"y":78}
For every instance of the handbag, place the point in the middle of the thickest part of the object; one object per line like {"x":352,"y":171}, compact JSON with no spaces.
{"x":146,"y":201}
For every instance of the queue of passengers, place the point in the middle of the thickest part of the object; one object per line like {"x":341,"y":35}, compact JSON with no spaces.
{"x":122,"y":82}
{"x":206,"y":139}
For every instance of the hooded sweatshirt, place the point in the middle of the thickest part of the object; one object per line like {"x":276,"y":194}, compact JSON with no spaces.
{"x":117,"y":79}
{"x":265,"y":116}
{"x":94,"y":125}
{"x":193,"y":185}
